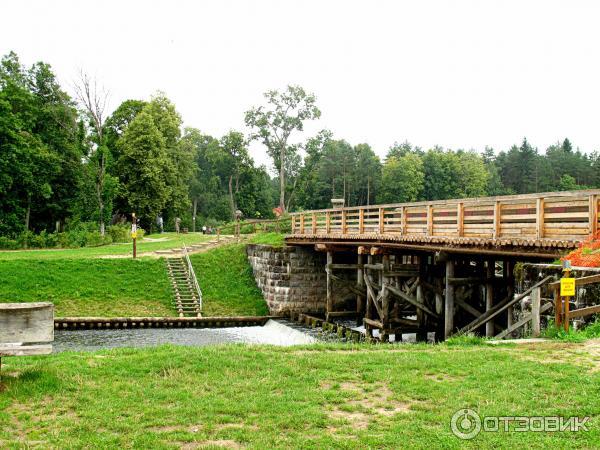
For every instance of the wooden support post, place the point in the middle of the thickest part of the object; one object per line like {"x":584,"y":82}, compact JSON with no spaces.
{"x":329,"y":285}
{"x":536,"y":297}
{"x":489,"y":295}
{"x":421,"y":316}
{"x":314,"y":223}
{"x":510,"y":280}
{"x":381,"y":220}
{"x":557,"y":308}
{"x":497,"y":220}
{"x":403,"y":221}
{"x":449,"y":301}
{"x":328,"y":222}
{"x":593,"y":209}
{"x":460,"y":219}
{"x":385,"y":298}
{"x":293,"y":225}
{"x":370,"y":300}
{"x":301,"y":223}
{"x":343,"y":221}
{"x":539,"y":218}
{"x":360,"y":282}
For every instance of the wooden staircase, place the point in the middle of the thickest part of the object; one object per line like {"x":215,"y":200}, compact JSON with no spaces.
{"x":187,"y":296}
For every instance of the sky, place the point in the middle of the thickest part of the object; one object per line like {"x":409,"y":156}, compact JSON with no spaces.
{"x":459,"y":74}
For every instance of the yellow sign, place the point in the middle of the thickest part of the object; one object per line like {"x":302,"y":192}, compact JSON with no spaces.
{"x":134,"y":234}
{"x":567,"y":287}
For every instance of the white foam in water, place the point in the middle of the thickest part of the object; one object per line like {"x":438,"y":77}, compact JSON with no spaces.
{"x":272,"y":333}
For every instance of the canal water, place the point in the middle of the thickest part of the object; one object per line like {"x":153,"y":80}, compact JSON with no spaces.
{"x":273,"y":332}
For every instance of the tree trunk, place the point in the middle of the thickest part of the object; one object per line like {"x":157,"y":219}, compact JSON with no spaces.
{"x":194,"y":214}
{"x":282,"y":179}
{"x":27,"y":216}
{"x":231,"y":202}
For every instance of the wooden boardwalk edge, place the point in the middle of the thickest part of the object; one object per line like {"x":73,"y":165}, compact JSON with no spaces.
{"x":87,"y":323}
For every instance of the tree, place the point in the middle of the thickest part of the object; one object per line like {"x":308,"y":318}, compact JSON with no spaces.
{"x":402,"y":179}
{"x":93,"y":99}
{"x":368,"y":174}
{"x":143,"y":164}
{"x":285,"y":113}
{"x":233,"y":158}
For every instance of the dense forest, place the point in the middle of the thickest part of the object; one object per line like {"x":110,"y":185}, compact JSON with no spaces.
{"x":65,"y":162}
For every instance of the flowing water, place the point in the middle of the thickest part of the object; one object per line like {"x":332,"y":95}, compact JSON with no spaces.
{"x":273,"y":332}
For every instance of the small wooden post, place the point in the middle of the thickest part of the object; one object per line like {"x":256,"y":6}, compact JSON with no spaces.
{"x":460,"y":219}
{"x":489,"y":296}
{"x":329,"y":284}
{"x":361,"y":221}
{"x":293,"y":224}
{"x":343,"y":221}
{"x":134,"y":234}
{"x":497,"y":220}
{"x":314,"y":223}
{"x":301,"y":223}
{"x":370,"y":300}
{"x":593,"y":209}
{"x":403,"y":219}
{"x":381,"y":220}
{"x":539,"y":218}
{"x":536,"y":296}
{"x":429,"y":220}
{"x":449,"y":301}
{"x":328,"y":222}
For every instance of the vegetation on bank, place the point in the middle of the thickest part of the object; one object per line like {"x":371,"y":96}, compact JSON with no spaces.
{"x":117,"y":287}
{"x":323,"y":396}
{"x":227,"y":283}
{"x":274,"y":239}
{"x":90,"y":287}
{"x":589,"y":331}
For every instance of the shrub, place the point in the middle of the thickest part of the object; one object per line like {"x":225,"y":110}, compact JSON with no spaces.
{"x":8,"y":244}
{"x":119,"y":233}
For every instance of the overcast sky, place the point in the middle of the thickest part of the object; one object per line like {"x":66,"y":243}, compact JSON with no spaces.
{"x":460,"y":74}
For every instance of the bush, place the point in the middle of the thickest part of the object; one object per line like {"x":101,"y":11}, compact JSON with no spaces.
{"x":8,"y":244}
{"x":119,"y":233}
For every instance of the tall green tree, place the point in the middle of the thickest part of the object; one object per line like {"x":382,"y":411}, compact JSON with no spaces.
{"x":402,"y":179}
{"x":143,"y":163}
{"x":273,"y":124}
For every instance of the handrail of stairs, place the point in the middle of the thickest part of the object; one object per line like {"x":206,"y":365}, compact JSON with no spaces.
{"x":193,"y":275}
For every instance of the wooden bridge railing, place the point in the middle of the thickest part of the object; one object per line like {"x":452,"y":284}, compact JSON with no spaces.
{"x":555,"y":216}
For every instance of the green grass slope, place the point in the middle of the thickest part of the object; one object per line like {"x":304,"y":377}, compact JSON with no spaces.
{"x":89,"y":287}
{"x":227,"y":283}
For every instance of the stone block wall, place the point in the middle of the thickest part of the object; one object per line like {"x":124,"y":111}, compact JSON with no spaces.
{"x":291,"y":278}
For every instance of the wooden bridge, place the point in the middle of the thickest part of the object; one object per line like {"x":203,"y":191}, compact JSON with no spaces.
{"x":442,"y":266}
{"x":537,"y":224}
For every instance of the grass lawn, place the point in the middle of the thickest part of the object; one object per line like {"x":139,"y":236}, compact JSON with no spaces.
{"x":274,"y":239}
{"x":89,"y":287}
{"x":127,"y":287}
{"x":164,"y":241}
{"x":330,"y":396}
{"x":227,"y":282}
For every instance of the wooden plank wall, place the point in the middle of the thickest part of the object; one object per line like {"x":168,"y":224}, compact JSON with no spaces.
{"x":555,"y":216}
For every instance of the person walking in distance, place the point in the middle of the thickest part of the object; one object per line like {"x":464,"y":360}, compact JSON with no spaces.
{"x":177,"y":224}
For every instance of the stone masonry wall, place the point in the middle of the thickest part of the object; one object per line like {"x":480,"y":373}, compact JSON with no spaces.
{"x":292,"y":279}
